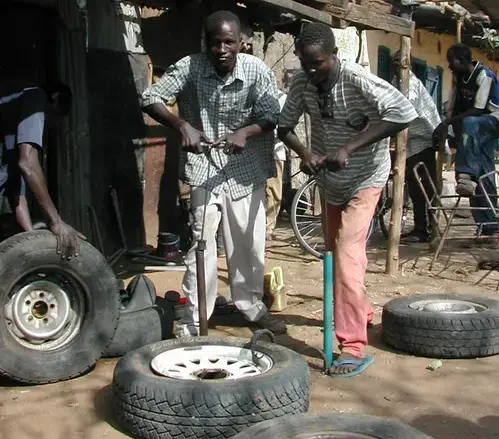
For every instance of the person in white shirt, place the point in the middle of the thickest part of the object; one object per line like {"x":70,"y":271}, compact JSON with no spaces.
{"x":273,"y":189}
{"x":419,"y":149}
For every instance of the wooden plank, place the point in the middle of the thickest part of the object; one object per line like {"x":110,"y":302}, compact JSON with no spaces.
{"x":392,"y":254}
{"x":355,"y":15}
{"x":342,"y":4}
{"x":373,"y":19}
{"x":301,"y":9}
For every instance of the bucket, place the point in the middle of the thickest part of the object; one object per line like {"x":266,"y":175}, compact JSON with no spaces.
{"x":168,"y":245}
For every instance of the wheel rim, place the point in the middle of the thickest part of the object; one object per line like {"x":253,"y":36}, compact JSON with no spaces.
{"x":210,"y":363}
{"x":46,"y":309}
{"x":306,"y":217}
{"x":448,"y":306}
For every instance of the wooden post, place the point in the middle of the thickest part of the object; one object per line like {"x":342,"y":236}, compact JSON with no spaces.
{"x":459,"y":30}
{"x":392,"y":256}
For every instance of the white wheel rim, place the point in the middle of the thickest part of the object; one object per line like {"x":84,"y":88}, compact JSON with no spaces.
{"x":448,"y":306}
{"x":210,"y":362}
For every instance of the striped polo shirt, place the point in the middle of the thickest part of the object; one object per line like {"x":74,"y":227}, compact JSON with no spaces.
{"x":357,"y":96}
{"x":421,"y":130}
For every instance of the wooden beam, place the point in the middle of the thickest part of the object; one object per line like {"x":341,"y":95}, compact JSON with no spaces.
{"x":392,"y":254}
{"x":302,"y":10}
{"x":372,"y":18}
{"x":355,"y":15}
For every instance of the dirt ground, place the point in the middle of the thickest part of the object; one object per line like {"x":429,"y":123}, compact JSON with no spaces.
{"x":460,"y":400}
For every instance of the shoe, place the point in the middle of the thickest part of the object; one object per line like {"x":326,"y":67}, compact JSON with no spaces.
{"x":415,"y":236}
{"x":223,"y":301}
{"x":268,"y":321}
{"x":465,"y":185}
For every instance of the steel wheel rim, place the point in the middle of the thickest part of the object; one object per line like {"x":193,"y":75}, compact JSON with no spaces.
{"x":210,"y":363}
{"x":307,"y":221}
{"x":448,"y":306}
{"x":46,"y":310}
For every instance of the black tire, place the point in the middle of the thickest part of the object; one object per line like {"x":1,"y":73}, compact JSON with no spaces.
{"x":136,"y":329}
{"x":442,"y":335}
{"x":87,"y":281}
{"x":152,"y":406}
{"x":140,"y":328}
{"x":141,"y":292}
{"x":327,"y":425}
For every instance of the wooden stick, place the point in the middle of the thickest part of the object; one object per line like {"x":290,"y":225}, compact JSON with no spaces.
{"x":459,"y":30}
{"x":392,"y":255}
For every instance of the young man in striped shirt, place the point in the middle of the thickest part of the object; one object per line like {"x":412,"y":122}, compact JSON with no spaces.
{"x":352,"y":115}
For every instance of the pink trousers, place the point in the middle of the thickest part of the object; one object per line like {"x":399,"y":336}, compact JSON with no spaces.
{"x":347,"y":228}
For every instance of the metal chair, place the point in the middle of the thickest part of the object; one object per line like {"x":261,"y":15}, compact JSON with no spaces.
{"x":437,"y":208}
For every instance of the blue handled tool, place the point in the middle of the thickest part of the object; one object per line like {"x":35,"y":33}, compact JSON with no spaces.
{"x":328,"y":308}
{"x":328,"y":280}
{"x":328,"y":285}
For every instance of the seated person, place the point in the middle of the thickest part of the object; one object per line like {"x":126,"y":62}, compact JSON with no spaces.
{"x":474,"y":117}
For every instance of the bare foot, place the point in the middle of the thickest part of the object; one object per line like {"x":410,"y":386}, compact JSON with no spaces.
{"x":347,"y":368}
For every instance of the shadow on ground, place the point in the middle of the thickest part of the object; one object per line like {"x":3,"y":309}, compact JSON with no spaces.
{"x":449,"y":427}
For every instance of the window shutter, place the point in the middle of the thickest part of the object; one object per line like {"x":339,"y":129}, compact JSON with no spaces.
{"x":384,"y":63}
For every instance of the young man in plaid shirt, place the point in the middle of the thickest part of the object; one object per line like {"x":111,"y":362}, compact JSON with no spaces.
{"x":230,"y":97}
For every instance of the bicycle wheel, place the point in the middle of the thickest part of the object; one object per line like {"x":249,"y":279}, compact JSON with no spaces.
{"x":306,"y":214}
{"x":385,"y":210}
{"x":306,"y":219}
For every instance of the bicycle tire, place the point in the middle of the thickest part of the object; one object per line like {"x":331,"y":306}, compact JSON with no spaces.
{"x":315,"y":223}
{"x":296,"y":214}
{"x":386,"y":202}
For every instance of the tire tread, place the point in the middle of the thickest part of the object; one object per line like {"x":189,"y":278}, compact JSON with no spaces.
{"x":449,"y":336}
{"x":33,"y":238}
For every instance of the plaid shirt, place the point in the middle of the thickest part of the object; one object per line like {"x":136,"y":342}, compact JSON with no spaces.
{"x":218,"y":107}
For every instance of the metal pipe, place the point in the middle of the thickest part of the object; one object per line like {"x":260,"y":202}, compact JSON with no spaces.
{"x":95,"y":225}
{"x":328,"y":308}
{"x":116,"y":207}
{"x":201,"y":283}
{"x":165,"y":268}
{"x":116,"y":256}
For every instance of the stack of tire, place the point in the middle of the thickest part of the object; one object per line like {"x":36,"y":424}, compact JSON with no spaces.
{"x":145,"y":318}
{"x":59,"y":316}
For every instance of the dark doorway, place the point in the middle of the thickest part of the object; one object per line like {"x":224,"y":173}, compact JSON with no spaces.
{"x":29,"y":53}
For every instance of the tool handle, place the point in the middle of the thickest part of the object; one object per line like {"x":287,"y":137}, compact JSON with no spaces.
{"x":206,"y":145}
